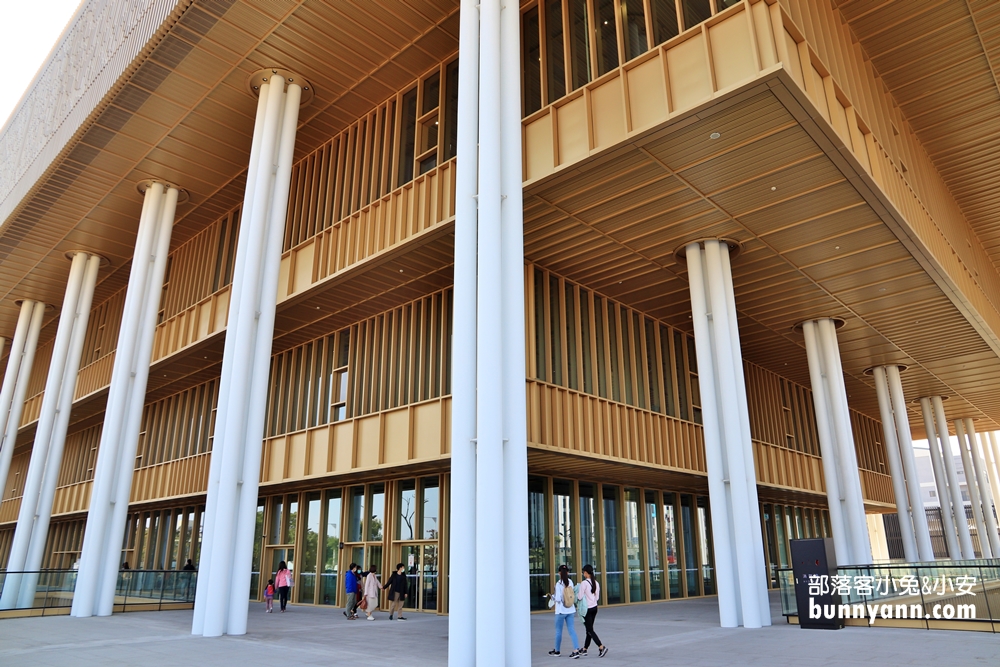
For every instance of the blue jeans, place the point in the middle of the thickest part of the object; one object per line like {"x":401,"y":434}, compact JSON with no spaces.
{"x":568,"y":619}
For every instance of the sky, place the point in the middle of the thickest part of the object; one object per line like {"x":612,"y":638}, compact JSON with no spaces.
{"x":28,"y":31}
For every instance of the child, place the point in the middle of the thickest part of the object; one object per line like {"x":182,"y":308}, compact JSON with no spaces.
{"x":269,"y":596}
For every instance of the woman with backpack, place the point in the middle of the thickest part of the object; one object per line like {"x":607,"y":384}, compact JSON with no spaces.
{"x":590,"y":591}
{"x":565,"y":604}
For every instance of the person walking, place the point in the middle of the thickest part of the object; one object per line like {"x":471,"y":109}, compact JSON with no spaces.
{"x":591,"y":592}
{"x":565,"y":604}
{"x":269,"y":597}
{"x":372,"y":587}
{"x":283,"y":580}
{"x":351,"y":590}
{"x":397,"y":586}
{"x":188,"y":566}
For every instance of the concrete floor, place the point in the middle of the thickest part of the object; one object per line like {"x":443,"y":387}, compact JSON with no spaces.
{"x":684,"y":632}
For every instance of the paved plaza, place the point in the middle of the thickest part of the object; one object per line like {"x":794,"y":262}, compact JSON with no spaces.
{"x":684,"y":632}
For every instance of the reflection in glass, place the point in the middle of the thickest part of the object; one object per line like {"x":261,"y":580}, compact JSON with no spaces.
{"x":653,"y":547}
{"x":690,"y":548}
{"x":331,"y":549}
{"x":705,"y":545}
{"x":356,"y":514}
{"x":636,"y":575}
{"x":430,"y":507}
{"x":579,"y":46}
{"x":310,"y":549}
{"x":613,"y":589}
{"x":562,"y":504}
{"x":555,"y":59}
{"x":407,"y":504}
{"x":429,"y":591}
{"x":589,"y":552}
{"x":377,"y":519}
{"x":538,"y":559}
{"x":636,"y":41}
{"x":664,"y":14}
{"x":274,"y":534}
{"x":293,"y":515}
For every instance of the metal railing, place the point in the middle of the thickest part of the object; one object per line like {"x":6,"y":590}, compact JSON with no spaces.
{"x":924,"y":591}
{"x":136,"y":590}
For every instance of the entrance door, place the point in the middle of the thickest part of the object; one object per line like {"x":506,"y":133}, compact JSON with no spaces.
{"x":421,"y":568}
{"x":272,"y":557}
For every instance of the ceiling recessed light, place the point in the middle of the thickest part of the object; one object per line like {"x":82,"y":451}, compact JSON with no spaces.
{"x":401,"y":270}
{"x":881,"y":289}
{"x":836,"y":247}
{"x":714,"y":135}
{"x":773,"y":188}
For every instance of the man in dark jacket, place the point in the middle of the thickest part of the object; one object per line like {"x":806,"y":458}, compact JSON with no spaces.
{"x":351,"y":589}
{"x":397,"y":586}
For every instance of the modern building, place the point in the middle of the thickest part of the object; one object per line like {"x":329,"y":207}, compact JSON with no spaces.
{"x":484,"y":289}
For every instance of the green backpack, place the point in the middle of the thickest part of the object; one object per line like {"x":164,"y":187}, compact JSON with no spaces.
{"x":581,"y":602}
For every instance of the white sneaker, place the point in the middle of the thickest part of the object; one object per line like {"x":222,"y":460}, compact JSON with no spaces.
{"x":371,"y":618}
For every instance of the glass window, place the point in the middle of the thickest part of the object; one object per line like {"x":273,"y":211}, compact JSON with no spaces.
{"x":450,"y":133}
{"x":653,"y":547}
{"x":531,"y":58}
{"x":772,"y":548}
{"x":636,"y":41}
{"x":432,"y":90}
{"x":670,"y":539}
{"x":292,"y":523}
{"x":356,"y":514}
{"x":571,"y":329}
{"x":377,"y":519}
{"x":589,"y":552}
{"x":562,"y":523}
{"x":695,"y":386}
{"x":408,"y":136}
{"x":696,"y":11}
{"x":690,"y":547}
{"x":430,"y":507}
{"x":331,"y":549}
{"x":579,"y":46}
{"x":664,"y":15}
{"x":602,"y":372}
{"x":555,"y":330}
{"x":705,"y":545}
{"x":779,"y":525}
{"x":310,"y":550}
{"x":258,"y":535}
{"x":607,"y":38}
{"x":681,"y":374}
{"x":538,"y":556}
{"x":407,"y":502}
{"x":588,"y":372}
{"x":616,"y":391}
{"x":274,"y":534}
{"x":633,"y":551}
{"x":614,"y":577}
{"x":627,"y":357}
{"x":555,"y":58}
{"x":429,"y":590}
{"x":540,"y":353}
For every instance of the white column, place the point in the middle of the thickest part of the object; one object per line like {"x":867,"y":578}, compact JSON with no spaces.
{"x":101,"y":554}
{"x":985,"y":549}
{"x":31,"y":532}
{"x":517,"y":594}
{"x":993,"y":452}
{"x":15,"y":382}
{"x":925,"y":549}
{"x":840,"y":463}
{"x":221,"y":602}
{"x":462,"y":508}
{"x":948,"y":456}
{"x":827,"y":444}
{"x":906,"y":531}
{"x":940,"y":479}
{"x":985,"y":492}
{"x":735,"y":513}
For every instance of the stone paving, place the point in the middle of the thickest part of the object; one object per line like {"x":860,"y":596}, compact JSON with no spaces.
{"x":684,"y":632}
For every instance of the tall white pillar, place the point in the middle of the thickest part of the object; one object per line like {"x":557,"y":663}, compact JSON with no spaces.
{"x":517,"y":595}
{"x":991,"y":452}
{"x":728,"y":450}
{"x":101,"y":555}
{"x":489,"y":468}
{"x":222,"y":600}
{"x":940,"y":479}
{"x":899,"y":480}
{"x":971,"y":484}
{"x":840,"y":462}
{"x":28,"y":544}
{"x":985,"y":492}
{"x":957,"y":503}
{"x":462,"y":512}
{"x":15,"y":381}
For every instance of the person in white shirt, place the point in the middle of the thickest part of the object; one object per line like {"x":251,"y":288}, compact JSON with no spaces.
{"x":590,"y":591}
{"x":564,"y":613}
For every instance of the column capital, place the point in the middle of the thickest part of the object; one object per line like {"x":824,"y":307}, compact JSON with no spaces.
{"x":838,"y":322}
{"x":735,"y":247}
{"x":871,"y":369}
{"x":143,"y":185}
{"x":262,"y":76}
